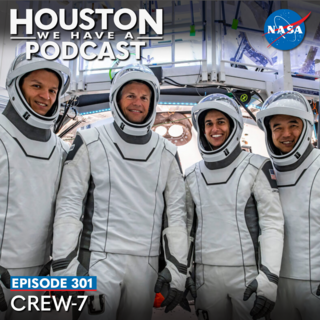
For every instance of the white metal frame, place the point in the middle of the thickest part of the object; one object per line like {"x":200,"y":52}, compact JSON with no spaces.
{"x":212,"y":69}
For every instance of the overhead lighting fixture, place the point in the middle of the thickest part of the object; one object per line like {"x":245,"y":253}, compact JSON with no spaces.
{"x":95,"y":111}
{"x":178,"y":103}
{"x":175,"y":131}
{"x":161,"y":130}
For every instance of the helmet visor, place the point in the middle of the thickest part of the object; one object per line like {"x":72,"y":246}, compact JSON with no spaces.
{"x":22,"y":66}
{"x":286,"y":95}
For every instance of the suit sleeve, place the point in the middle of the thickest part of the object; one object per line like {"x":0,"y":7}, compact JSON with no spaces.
{"x":175,"y":241}
{"x":271,"y":223}
{"x":69,"y":207}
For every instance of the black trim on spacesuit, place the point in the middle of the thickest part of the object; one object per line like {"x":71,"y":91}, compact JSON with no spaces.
{"x":82,"y":271}
{"x":292,"y":185}
{"x":178,"y":160}
{"x":225,"y":162}
{"x":252,"y":222}
{"x":32,"y":133}
{"x":133,"y":139}
{"x":182,"y":268}
{"x":27,"y":155}
{"x":297,"y":163}
{"x":88,"y":211}
{"x":84,"y":258}
{"x":87,"y":215}
{"x":266,"y":170}
{"x":61,"y":264}
{"x":77,"y":143}
{"x":213,"y":184}
{"x":192,"y":234}
{"x":190,"y":252}
{"x":129,"y":159}
{"x":271,"y":276}
{"x":194,"y":223}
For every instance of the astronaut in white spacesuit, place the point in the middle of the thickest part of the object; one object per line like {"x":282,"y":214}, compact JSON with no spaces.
{"x":118,"y":182}
{"x":31,"y":158}
{"x":287,"y":119}
{"x":235,"y":217}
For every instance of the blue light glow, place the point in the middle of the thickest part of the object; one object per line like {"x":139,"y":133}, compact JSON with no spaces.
{"x":178,"y":103}
{"x":95,"y":111}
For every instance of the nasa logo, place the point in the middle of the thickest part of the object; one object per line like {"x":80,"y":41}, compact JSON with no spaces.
{"x":284,"y":29}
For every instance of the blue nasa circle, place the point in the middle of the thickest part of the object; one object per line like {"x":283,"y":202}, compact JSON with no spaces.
{"x":282,"y":18}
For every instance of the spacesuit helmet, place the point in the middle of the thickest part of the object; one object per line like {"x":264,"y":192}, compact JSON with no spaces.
{"x":230,"y":108}
{"x":21,"y":67}
{"x":139,"y":73}
{"x":290,"y":103}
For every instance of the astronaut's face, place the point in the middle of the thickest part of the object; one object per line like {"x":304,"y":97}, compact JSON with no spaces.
{"x":285,"y":131}
{"x":40,"y":89}
{"x":217,"y":128}
{"x":135,"y":102}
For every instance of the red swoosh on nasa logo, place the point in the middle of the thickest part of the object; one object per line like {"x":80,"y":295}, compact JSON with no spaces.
{"x":293,"y":24}
{"x":296,"y":24}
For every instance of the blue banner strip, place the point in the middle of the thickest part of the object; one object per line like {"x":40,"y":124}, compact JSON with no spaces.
{"x":53,"y":283}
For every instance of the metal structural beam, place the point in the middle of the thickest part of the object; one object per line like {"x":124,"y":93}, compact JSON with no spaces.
{"x":214,"y":66}
{"x":238,"y":8}
{"x":211,"y":41}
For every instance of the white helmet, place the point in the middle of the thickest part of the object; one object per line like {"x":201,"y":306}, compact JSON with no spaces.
{"x":20,"y":67}
{"x":287,"y":103}
{"x":129,"y":73}
{"x":227,"y":106}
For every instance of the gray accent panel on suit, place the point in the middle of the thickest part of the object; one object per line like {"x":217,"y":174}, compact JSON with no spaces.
{"x":131,"y":159}
{"x":77,"y":143}
{"x":293,"y":184}
{"x":181,"y":267}
{"x":61,"y":264}
{"x":271,"y":276}
{"x":225,"y":182}
{"x":81,"y":271}
{"x":194,"y":224}
{"x":165,"y":223}
{"x":84,"y":258}
{"x":133,"y":139}
{"x":266,"y":170}
{"x":226,"y":162}
{"x":192,"y":235}
{"x":87,"y":216}
{"x":252,"y":221}
{"x":178,"y":160}
{"x":27,"y":155}
{"x":297,"y":164}
{"x":190,"y":253}
{"x":64,"y":263}
{"x":30,"y":132}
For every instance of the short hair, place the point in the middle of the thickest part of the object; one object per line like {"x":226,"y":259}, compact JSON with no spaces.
{"x":119,"y":95}
{"x":49,"y":70}
{"x":49,"y":113}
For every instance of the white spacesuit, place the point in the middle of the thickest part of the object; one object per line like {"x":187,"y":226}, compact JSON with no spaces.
{"x":238,"y":229}
{"x":299,"y":185}
{"x":118,"y":182}
{"x":31,"y":158}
